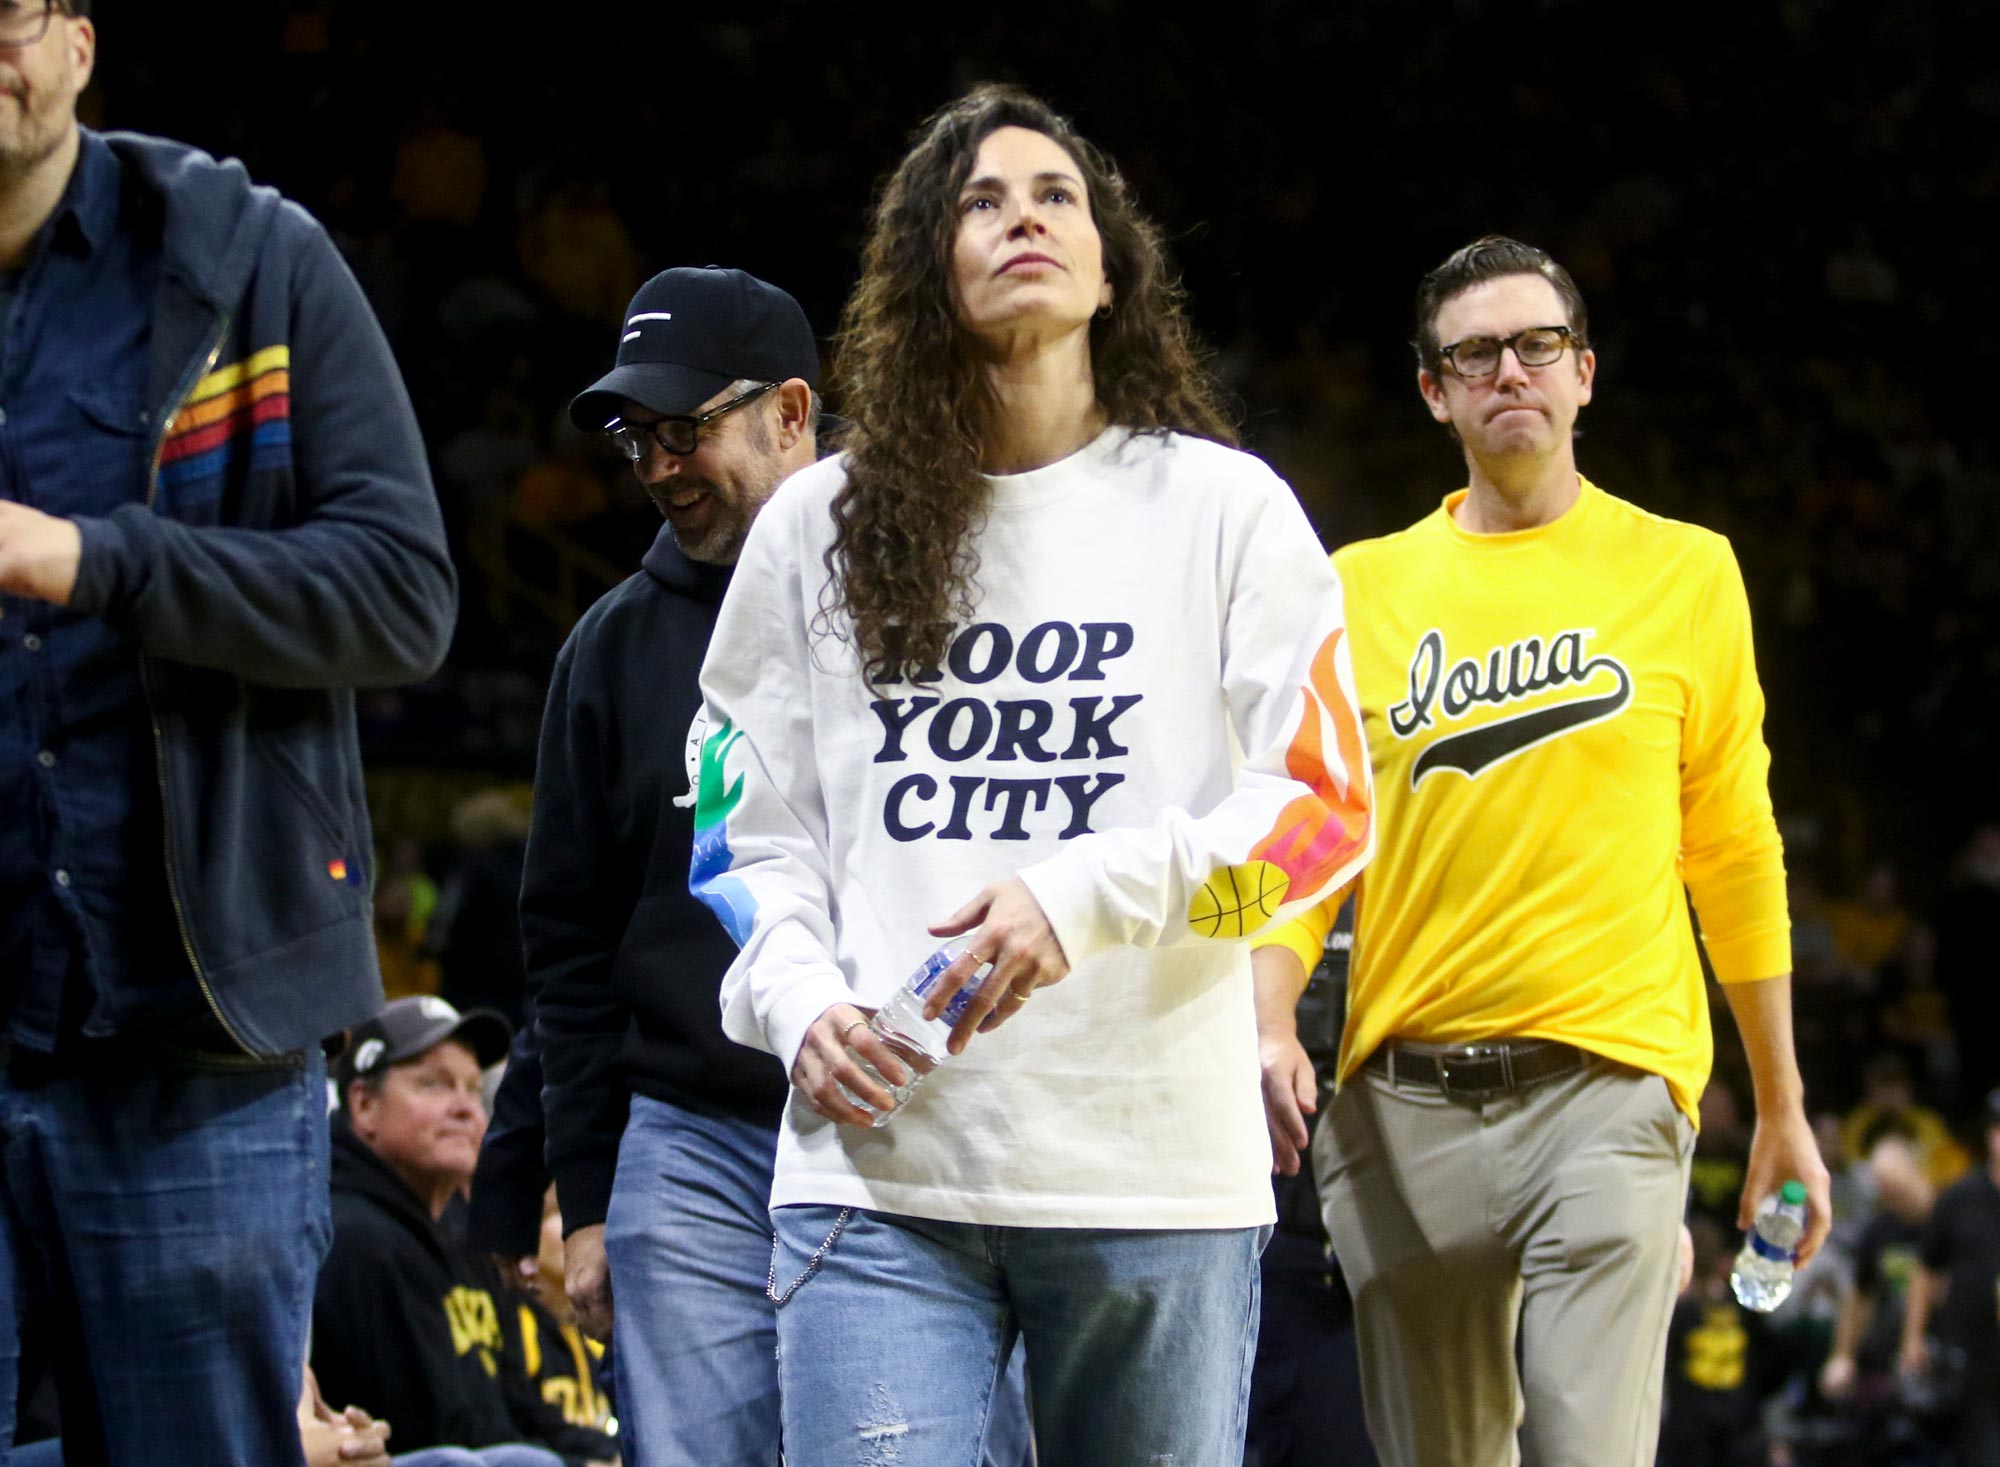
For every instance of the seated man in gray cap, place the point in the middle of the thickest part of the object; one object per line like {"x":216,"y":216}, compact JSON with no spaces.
{"x":406,"y":1322}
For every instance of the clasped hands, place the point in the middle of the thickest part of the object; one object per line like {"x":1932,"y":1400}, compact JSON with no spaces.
{"x":1006,"y":928}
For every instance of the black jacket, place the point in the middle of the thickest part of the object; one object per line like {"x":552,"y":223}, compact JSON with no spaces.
{"x":286,"y":554}
{"x":416,"y":1331}
{"x":506,"y":1212}
{"x":625,"y":963}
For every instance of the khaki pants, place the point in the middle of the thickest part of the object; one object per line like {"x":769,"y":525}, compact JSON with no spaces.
{"x":1554,"y":1213}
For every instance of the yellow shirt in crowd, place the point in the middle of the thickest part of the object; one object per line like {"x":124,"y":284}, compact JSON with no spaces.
{"x":1566,"y":727}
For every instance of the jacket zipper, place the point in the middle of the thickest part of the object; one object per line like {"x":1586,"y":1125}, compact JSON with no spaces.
{"x":187,"y":386}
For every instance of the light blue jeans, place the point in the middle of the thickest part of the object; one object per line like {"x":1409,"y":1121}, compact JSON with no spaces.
{"x":892,"y":1347}
{"x":694,"y":1339}
{"x":694,"y":1334}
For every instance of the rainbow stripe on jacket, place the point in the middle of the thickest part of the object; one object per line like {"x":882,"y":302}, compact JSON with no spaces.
{"x":247,"y":401}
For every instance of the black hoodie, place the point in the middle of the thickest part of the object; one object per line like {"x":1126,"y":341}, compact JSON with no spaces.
{"x":625,"y":963}
{"x":411,"y":1328}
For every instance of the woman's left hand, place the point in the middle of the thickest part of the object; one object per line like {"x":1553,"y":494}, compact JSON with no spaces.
{"x":1008,"y":929}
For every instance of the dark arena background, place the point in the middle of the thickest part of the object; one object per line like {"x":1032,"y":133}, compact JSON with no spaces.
{"x":1781,"y":218}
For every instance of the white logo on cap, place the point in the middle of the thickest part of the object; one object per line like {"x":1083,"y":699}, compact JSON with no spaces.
{"x":436,"y":1008}
{"x":644,"y":316}
{"x":365,"y":1057}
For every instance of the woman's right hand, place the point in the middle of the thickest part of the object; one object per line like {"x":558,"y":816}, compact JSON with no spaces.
{"x":837,"y":1042}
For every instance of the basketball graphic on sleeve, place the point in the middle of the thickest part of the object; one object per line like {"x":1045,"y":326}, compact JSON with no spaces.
{"x":1237,"y":899}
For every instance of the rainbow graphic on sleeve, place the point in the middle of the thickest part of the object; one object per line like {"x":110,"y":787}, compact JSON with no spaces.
{"x":247,"y":402}
{"x":1318,"y":834}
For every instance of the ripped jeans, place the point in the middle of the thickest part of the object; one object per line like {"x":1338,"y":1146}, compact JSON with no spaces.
{"x":891,"y":1347}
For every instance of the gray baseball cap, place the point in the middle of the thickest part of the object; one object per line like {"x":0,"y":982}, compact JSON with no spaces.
{"x":411,"y":1027}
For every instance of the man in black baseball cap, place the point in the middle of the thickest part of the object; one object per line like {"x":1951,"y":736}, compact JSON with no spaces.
{"x":661,"y":1132}
{"x":711,"y":397}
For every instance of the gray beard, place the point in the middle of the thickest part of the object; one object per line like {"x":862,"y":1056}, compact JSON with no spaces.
{"x":720,"y":546}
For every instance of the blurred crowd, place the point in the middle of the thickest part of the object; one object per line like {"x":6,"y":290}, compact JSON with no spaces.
{"x":1784,"y":296}
{"x":1905,"y":1110}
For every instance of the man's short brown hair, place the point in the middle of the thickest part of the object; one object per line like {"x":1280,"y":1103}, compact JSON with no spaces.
{"x":1489,"y":258}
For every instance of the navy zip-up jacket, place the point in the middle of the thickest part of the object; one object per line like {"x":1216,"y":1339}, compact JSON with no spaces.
{"x":289,"y":551}
{"x":625,"y":963}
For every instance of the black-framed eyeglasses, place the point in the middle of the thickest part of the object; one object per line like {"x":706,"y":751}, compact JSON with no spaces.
{"x":25,"y":22}
{"x":677,"y":433}
{"x":1479,"y":356}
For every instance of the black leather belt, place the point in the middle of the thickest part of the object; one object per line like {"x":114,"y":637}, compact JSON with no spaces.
{"x":1476,"y":1071}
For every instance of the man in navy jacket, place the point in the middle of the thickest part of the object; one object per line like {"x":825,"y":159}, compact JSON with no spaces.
{"x":215,"y":524}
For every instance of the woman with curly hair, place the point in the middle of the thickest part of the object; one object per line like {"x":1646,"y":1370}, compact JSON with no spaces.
{"x":1043,"y":639}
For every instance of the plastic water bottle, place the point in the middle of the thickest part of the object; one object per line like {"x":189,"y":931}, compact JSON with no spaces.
{"x":1762,"y":1277}
{"x":918,"y":1042}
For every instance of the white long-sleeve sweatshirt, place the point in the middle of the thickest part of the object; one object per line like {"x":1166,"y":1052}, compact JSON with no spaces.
{"x":1150,"y":717}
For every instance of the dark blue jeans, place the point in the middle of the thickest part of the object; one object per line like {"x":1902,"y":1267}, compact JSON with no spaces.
{"x":163,"y":1215}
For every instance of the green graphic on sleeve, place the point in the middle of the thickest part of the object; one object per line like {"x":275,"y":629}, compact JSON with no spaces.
{"x":716,"y":800}
{"x":713,"y":803}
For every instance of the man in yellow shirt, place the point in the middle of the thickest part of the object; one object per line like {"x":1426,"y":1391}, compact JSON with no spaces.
{"x":1565,"y":726}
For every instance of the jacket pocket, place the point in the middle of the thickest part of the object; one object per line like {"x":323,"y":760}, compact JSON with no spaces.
{"x":280,"y":761}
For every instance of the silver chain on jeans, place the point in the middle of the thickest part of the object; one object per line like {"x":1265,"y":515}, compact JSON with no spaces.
{"x":812,"y":1263}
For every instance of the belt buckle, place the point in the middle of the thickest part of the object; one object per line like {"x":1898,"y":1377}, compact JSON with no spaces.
{"x":1474,"y":1052}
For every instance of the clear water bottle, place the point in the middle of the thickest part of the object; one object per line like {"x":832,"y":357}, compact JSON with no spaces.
{"x":918,"y":1042}
{"x":1762,"y":1277}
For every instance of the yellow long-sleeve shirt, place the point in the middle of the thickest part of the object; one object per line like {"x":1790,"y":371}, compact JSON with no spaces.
{"x":1566,"y":731}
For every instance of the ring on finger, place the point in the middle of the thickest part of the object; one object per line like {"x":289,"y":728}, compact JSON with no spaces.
{"x":849,"y":1027}
{"x":1022,"y":995}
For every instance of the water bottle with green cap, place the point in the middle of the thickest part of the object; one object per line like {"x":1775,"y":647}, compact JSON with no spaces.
{"x":1762,"y":1277}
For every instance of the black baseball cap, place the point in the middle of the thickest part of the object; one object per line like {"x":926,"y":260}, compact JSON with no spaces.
{"x":411,"y":1027}
{"x":689,"y":333}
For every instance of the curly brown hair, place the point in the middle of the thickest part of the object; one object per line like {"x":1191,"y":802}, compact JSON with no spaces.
{"x":902,"y":563}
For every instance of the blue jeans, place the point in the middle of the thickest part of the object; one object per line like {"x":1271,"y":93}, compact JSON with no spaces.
{"x":694,"y":1335}
{"x":688,"y":1241}
{"x":893,"y":1346}
{"x":163,"y":1215}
